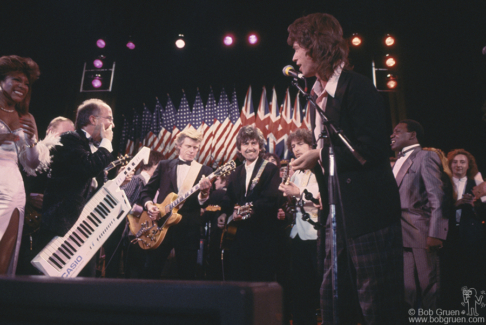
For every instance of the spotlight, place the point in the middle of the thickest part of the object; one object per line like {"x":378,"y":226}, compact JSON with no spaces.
{"x":389,"y":40}
{"x":253,"y":39}
{"x":100,"y":43}
{"x":98,"y":63}
{"x":390,"y":61}
{"x":228,"y":40}
{"x":391,"y":83}
{"x":96,"y":82}
{"x":356,"y":40}
{"x":130,"y":45}
{"x":180,"y":42}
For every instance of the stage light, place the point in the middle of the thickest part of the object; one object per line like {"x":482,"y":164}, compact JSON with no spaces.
{"x":252,"y":39}
{"x":98,"y":63}
{"x":228,"y":40}
{"x":390,"y":61}
{"x":389,"y":40}
{"x":130,"y":45}
{"x":96,"y":82}
{"x":180,"y":43}
{"x":356,"y":40}
{"x":391,"y":83}
{"x":100,"y":43}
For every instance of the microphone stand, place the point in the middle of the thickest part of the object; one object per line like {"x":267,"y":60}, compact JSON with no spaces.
{"x":332,"y":186}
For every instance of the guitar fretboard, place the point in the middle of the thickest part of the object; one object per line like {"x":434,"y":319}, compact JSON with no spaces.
{"x":184,"y":196}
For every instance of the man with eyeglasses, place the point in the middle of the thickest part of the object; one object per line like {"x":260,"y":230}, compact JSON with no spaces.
{"x":76,"y":172}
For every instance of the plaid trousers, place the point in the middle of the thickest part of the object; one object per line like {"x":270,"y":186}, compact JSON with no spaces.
{"x":370,"y":283}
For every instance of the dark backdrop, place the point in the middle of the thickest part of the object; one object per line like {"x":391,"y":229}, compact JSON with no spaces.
{"x":442,"y":71}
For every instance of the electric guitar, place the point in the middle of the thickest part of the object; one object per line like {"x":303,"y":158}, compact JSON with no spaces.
{"x":149,"y":233}
{"x":229,"y":231}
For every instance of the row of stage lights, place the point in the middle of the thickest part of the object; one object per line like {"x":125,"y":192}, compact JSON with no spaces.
{"x":389,"y":60}
{"x":252,"y":39}
{"x":180,"y":43}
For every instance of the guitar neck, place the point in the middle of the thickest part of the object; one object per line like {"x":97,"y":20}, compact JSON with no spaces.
{"x":184,"y":196}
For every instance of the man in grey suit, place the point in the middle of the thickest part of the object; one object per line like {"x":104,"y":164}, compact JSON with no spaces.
{"x":420,"y":179}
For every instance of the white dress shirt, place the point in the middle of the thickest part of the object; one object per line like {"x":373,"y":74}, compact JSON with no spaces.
{"x":399,"y":163}
{"x":182,"y":171}
{"x":460,"y":185}
{"x":303,"y":228}
{"x":249,"y":171}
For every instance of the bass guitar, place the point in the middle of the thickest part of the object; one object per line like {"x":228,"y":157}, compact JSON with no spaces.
{"x":149,"y":233}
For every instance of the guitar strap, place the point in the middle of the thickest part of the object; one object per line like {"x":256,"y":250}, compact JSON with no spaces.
{"x":254,"y":182}
{"x":306,"y":178}
{"x":190,"y":179}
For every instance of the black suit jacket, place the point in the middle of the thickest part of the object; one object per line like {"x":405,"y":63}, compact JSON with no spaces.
{"x":164,"y":180}
{"x":369,"y":192}
{"x":72,"y":169}
{"x":256,"y":235}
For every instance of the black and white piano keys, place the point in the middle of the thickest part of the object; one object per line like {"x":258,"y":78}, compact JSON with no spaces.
{"x":66,"y":256}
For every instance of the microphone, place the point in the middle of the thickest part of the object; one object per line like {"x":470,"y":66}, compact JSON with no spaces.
{"x":309,"y":197}
{"x":289,"y":71}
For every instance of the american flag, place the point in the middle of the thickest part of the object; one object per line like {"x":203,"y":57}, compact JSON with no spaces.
{"x":263,"y":114}
{"x":183,"y":119}
{"x":205,"y":153}
{"x":247,"y":112}
{"x":134,"y":134}
{"x":274,"y":119}
{"x":222,"y":131}
{"x":197,"y":112}
{"x":124,"y":134}
{"x":168,"y":128}
{"x":234,"y":115}
{"x":153,"y":140}
{"x":219,"y":124}
{"x":147,"y":119}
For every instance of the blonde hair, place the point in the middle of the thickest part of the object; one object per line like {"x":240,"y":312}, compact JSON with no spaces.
{"x":56,"y":121}
{"x":189,"y":133}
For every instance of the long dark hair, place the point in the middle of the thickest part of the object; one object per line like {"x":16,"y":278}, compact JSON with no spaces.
{"x":322,"y":37}
{"x":27,"y":66}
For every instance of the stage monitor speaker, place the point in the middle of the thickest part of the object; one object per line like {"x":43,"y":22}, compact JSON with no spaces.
{"x":30,"y":300}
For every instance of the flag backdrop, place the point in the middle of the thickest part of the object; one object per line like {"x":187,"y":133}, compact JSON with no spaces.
{"x":218,"y":121}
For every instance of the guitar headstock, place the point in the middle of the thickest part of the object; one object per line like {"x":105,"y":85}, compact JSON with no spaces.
{"x":121,"y":161}
{"x":226,"y":169}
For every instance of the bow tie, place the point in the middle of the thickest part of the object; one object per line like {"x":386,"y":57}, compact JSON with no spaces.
{"x":402,"y":153}
{"x":181,"y":162}
{"x":95,"y":143}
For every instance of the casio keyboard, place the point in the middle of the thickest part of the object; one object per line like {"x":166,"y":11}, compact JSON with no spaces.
{"x":66,"y":257}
